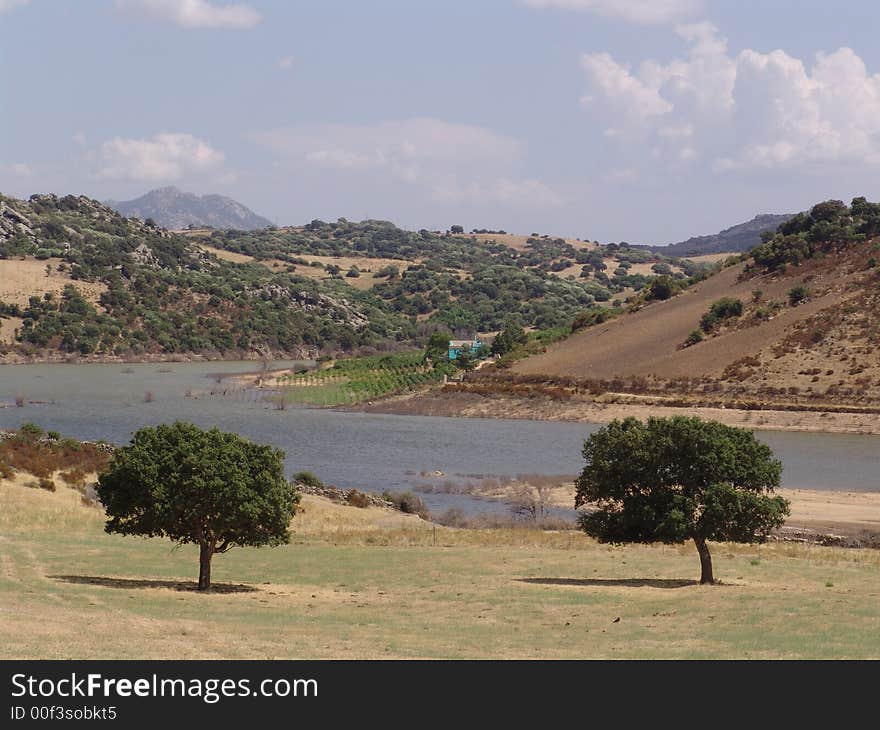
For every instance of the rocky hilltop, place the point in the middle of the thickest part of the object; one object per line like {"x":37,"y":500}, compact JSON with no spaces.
{"x":736,"y":239}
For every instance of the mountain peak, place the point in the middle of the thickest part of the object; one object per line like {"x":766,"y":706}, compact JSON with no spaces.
{"x":175,"y":209}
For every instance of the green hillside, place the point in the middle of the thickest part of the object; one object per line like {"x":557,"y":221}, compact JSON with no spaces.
{"x":126,"y":288}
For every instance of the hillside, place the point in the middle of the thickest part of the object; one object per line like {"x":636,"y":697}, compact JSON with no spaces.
{"x":176,"y":210}
{"x":464,"y":283}
{"x":736,"y":239}
{"x":794,"y":324}
{"x":79,"y":279}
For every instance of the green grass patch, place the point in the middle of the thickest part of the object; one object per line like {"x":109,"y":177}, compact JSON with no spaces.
{"x":355,"y":380}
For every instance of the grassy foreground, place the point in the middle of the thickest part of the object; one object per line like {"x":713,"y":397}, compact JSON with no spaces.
{"x":372,"y":584}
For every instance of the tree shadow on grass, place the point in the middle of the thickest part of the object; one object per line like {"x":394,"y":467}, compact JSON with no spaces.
{"x":614,"y":582}
{"x":130,"y":583}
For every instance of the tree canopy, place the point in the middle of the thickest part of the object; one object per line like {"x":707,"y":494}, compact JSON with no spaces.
{"x":211,"y":488}
{"x":509,"y":338}
{"x":675,"y":479}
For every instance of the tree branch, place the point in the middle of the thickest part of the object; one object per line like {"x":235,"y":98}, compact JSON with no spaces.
{"x":223,"y":547}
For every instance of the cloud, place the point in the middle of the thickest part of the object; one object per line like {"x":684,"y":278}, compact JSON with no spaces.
{"x":748,"y":111}
{"x":193,"y":13}
{"x":632,"y":97}
{"x":451,"y":162}
{"x":527,"y":192}
{"x":7,"y":5}
{"x":633,"y":11}
{"x":20,"y":169}
{"x":163,"y":157}
{"x":405,"y":144}
{"x":410,"y":149}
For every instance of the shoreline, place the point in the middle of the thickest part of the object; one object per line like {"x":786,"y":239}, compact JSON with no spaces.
{"x":13,"y":358}
{"x":584,"y":410}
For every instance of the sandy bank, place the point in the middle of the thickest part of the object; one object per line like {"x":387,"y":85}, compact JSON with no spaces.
{"x":473,"y":405}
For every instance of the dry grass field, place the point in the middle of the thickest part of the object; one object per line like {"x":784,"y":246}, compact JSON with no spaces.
{"x":709,"y":258}
{"x":367,"y":266}
{"x":21,"y":279}
{"x":375,"y":584}
{"x":223,"y":255}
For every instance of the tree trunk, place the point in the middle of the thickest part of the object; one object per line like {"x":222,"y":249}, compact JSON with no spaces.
{"x":206,"y":552}
{"x":705,"y":562}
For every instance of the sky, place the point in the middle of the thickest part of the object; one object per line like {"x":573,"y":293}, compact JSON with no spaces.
{"x":647,"y":121}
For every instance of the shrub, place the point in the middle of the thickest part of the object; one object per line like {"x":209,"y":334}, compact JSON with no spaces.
{"x":693,"y":338}
{"x":358,"y":499}
{"x":307,"y":478}
{"x":30,"y":432}
{"x":661,"y":288}
{"x":591,"y":317}
{"x":724,"y":308}
{"x":74,"y":477}
{"x":798,"y":294}
{"x":407,"y":502}
{"x":43,"y":483}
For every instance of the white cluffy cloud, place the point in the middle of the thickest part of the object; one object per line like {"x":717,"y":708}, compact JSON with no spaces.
{"x":6,"y":5}
{"x":162,"y":157}
{"x":453,"y":162}
{"x":633,"y":11}
{"x":194,"y":13}
{"x":751,"y":110}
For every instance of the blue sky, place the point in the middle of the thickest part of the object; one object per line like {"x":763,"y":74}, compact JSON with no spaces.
{"x":620,"y":120}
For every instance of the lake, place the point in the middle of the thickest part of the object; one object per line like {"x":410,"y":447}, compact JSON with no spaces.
{"x":372,"y":452}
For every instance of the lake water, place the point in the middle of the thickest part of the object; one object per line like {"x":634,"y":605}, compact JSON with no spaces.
{"x":372,"y":452}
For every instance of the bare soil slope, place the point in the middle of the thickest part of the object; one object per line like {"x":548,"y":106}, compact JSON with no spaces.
{"x":822,"y":349}
{"x":647,"y":342}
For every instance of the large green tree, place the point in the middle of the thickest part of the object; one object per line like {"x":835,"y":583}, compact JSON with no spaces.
{"x":210,"y":488}
{"x":675,"y":479}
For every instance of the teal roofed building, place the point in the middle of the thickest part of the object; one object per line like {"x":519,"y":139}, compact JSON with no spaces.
{"x":456,"y":347}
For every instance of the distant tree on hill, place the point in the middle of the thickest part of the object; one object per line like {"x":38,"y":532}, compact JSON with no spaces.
{"x":676,"y":479}
{"x":721,"y":310}
{"x":510,"y":337}
{"x":456,"y":229}
{"x":661,"y":288}
{"x":214,"y":489}
{"x":437,"y":349}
